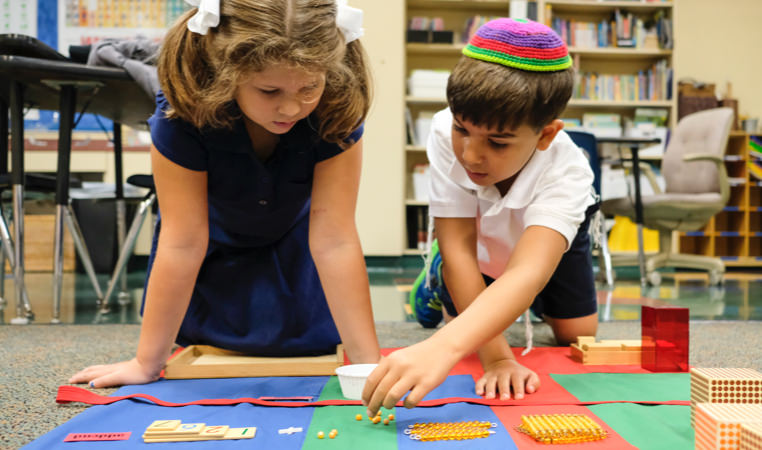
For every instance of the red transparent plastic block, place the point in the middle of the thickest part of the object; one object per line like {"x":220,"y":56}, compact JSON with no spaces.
{"x":664,"y":334}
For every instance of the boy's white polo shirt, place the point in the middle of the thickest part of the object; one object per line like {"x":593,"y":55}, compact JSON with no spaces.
{"x":553,"y":190}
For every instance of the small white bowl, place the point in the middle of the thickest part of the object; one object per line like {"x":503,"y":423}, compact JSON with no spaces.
{"x":352,"y":379}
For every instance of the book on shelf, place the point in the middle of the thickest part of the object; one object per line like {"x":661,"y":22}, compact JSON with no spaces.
{"x":656,"y":116}
{"x":523,"y":9}
{"x":622,"y":29}
{"x":650,"y":85}
{"x":472,"y":24}
{"x":412,"y":139}
{"x":602,"y":124}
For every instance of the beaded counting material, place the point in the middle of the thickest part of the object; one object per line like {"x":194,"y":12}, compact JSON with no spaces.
{"x":450,"y":431}
{"x":561,"y":428}
{"x":718,"y":425}
{"x":751,"y":436}
{"x":724,"y":385}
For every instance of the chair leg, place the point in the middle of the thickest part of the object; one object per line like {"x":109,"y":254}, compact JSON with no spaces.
{"x":123,"y":297}
{"x":605,"y":256}
{"x":81,"y":246}
{"x":8,"y":254}
{"x":126,"y":250}
{"x":17,"y":179}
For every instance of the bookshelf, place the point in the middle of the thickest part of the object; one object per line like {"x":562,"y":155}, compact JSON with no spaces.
{"x":433,"y":56}
{"x":586,"y":27}
{"x":734,"y":234}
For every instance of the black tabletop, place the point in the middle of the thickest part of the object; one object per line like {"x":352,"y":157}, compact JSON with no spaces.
{"x":628,"y":140}
{"x":110,"y":91}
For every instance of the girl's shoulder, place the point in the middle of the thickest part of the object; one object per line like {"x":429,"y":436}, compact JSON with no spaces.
{"x":175,"y":138}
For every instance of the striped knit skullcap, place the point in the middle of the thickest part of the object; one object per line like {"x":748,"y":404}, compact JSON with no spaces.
{"x":519,"y":43}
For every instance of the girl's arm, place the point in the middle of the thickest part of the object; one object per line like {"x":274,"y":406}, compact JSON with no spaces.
{"x":335,"y":247}
{"x":181,"y":249}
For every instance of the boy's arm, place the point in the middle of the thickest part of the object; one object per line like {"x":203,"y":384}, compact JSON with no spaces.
{"x":457,"y":244}
{"x":423,"y":366}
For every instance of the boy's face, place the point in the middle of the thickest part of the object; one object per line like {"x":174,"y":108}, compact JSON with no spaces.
{"x":494,"y":156}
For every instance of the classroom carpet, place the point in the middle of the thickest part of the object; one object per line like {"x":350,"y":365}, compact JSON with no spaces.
{"x":637,"y":408}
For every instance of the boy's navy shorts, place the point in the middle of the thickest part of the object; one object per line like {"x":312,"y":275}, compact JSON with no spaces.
{"x":570,"y":292}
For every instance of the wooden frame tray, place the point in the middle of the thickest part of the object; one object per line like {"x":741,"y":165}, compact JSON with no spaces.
{"x":205,"y":361}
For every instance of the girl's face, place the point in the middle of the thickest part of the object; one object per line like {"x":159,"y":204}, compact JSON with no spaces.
{"x":279,"y":96}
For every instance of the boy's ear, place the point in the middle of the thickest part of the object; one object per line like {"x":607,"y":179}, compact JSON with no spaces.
{"x":549,"y":133}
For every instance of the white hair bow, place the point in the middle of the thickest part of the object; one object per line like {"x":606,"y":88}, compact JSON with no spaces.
{"x":208,"y":15}
{"x":348,"y":19}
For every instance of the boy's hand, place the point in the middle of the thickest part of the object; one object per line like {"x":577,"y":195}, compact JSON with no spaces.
{"x":418,"y":369}
{"x":505,"y":374}
{"x":107,"y":375}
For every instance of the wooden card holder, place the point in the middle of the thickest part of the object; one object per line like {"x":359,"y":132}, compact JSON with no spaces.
{"x":205,"y":361}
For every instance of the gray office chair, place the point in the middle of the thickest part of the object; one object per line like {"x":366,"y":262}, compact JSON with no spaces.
{"x":696,"y":189}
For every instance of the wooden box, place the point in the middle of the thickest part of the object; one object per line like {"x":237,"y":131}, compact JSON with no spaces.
{"x":205,"y":361}
{"x":39,"y":243}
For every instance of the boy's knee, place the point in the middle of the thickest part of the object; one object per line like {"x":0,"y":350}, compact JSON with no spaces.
{"x":566,"y":331}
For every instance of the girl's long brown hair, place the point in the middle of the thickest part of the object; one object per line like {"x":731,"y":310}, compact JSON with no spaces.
{"x":199,"y":73}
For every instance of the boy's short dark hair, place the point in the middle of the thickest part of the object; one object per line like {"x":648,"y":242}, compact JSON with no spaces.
{"x":494,"y":95}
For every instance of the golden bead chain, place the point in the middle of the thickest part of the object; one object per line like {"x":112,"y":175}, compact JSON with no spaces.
{"x":450,"y":431}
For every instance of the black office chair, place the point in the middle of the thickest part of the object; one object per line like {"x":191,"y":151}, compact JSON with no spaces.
{"x":587,"y":142}
{"x":127,"y":247}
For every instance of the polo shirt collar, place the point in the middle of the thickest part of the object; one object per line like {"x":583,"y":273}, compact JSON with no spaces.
{"x":521,"y":192}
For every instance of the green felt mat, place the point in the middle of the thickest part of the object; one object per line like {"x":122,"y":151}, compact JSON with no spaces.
{"x":644,"y":426}
{"x":654,"y":387}
{"x":353,"y":434}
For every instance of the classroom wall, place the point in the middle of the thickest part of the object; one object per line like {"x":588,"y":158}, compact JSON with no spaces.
{"x":380,"y":207}
{"x":719,"y":42}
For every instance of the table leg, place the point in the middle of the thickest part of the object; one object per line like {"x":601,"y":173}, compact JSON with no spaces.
{"x":123,"y":297}
{"x":639,"y":214}
{"x":67,"y":104}
{"x":17,"y":179}
{"x":5,"y":236}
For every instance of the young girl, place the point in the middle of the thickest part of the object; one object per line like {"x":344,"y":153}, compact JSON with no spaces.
{"x":256,"y":161}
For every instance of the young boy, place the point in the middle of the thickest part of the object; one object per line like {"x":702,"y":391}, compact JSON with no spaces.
{"x":511,"y":197}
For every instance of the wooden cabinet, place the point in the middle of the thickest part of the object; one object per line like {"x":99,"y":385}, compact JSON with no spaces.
{"x":735,"y":234}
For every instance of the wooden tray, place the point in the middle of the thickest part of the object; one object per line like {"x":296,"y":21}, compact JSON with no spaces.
{"x":205,"y":361}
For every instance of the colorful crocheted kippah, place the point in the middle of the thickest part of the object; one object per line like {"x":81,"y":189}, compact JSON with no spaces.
{"x":519,"y":43}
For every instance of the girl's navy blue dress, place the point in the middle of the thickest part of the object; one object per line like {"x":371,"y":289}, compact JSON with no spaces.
{"x":258,"y":290}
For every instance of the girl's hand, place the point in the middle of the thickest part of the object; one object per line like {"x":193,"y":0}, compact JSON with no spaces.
{"x":417,"y":369}
{"x":107,"y":375}
{"x":504,"y":375}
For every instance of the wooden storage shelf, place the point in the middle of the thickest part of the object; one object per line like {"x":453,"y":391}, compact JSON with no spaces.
{"x":481,"y":5}
{"x":434,"y":49}
{"x":433,"y":56}
{"x":729,"y":247}
{"x":612,"y":60}
{"x":735,"y":233}
{"x":426,"y":100}
{"x":415,"y":148}
{"x":615,"y":52}
{"x":596,"y":6}
{"x":613,"y":104}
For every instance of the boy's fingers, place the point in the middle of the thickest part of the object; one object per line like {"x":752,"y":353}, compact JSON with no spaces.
{"x":380,"y":392}
{"x":479,"y":387}
{"x":517,"y":382}
{"x":371,"y":382}
{"x":395,"y":394}
{"x":533,"y":384}
{"x":504,"y":385}
{"x":415,"y":396}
